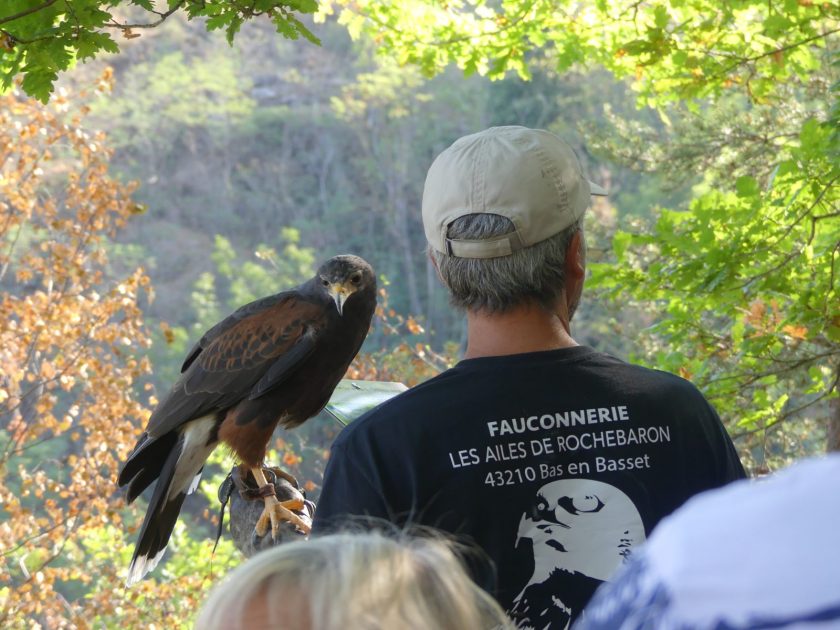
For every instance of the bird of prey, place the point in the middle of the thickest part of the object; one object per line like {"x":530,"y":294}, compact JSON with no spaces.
{"x":274,"y":361}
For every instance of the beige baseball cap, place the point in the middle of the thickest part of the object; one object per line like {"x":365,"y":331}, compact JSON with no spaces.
{"x":530,"y":176}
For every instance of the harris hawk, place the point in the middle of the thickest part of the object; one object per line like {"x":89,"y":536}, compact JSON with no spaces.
{"x":274,"y":361}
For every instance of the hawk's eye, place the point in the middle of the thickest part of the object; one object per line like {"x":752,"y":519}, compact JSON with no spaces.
{"x":355,"y":278}
{"x":325,"y":282}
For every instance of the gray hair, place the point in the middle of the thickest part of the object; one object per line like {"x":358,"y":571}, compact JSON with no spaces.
{"x":364,"y":581}
{"x":531,"y":275}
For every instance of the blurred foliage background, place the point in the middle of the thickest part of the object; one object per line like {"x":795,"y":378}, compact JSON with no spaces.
{"x":166,"y":183}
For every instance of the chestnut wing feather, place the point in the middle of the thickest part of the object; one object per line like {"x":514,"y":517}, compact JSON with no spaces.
{"x":234,"y":318}
{"x":248,"y":358}
{"x":282,"y":368}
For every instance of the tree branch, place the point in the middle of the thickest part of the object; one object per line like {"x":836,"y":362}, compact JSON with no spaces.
{"x":752,"y":377}
{"x":19,"y":40}
{"x":462,"y":38}
{"x":831,"y":279}
{"x":744,"y":60}
{"x":43,"y":532}
{"x":28,"y":11}
{"x":795,"y":252}
{"x":163,"y":17}
{"x":790,"y":412}
{"x":790,"y":46}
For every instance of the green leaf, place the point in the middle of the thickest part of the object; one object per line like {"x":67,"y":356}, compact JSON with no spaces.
{"x":38,"y":82}
{"x":620,"y":242}
{"x":812,"y":134}
{"x":638,"y":47}
{"x":303,"y":30}
{"x":283,"y":27}
{"x":233,"y":28}
{"x":660,"y":16}
{"x":776,"y":23}
{"x":219,"y":21}
{"x":307,"y":6}
{"x":88,"y":44}
{"x":747,"y":186}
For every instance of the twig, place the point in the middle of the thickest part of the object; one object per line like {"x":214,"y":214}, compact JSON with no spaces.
{"x":36,"y":536}
{"x":744,"y":60}
{"x":28,"y":11}
{"x":453,"y":40}
{"x":753,"y":377}
{"x":795,"y":252}
{"x":831,"y":278}
{"x":789,"y":46}
{"x":20,"y":40}
{"x":163,"y":17}
{"x":790,"y":413}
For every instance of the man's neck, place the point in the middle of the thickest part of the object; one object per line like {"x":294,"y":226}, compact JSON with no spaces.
{"x":526,"y":329}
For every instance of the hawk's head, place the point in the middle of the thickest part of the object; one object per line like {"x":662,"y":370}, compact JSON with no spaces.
{"x":343,"y":276}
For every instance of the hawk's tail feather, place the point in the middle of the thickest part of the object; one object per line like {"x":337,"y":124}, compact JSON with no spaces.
{"x":145,"y":463}
{"x":178,"y":471}
{"x":161,"y":516}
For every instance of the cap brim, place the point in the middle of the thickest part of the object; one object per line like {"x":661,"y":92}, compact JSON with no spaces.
{"x":595,"y":189}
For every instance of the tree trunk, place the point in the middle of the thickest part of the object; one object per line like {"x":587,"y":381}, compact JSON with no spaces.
{"x":833,"y":442}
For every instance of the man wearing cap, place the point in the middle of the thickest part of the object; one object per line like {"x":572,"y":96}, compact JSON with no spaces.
{"x":555,"y":459}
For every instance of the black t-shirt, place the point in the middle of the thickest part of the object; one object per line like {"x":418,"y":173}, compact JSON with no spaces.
{"x":557,"y":464}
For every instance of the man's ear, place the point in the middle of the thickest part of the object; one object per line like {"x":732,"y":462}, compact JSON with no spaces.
{"x":434,"y":264}
{"x":576,"y":257}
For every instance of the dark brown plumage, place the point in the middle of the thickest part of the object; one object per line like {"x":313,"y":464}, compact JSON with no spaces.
{"x":274,"y":361}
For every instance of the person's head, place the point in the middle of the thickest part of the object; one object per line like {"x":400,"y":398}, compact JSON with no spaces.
{"x":503,"y":211}
{"x":352,"y":580}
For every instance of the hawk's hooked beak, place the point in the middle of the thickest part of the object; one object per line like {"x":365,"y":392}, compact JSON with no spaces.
{"x":339,"y":294}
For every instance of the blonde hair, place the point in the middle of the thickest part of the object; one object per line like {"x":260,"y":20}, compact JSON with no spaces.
{"x":358,"y":581}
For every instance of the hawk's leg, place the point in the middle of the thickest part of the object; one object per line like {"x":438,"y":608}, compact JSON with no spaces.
{"x":275,"y":511}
